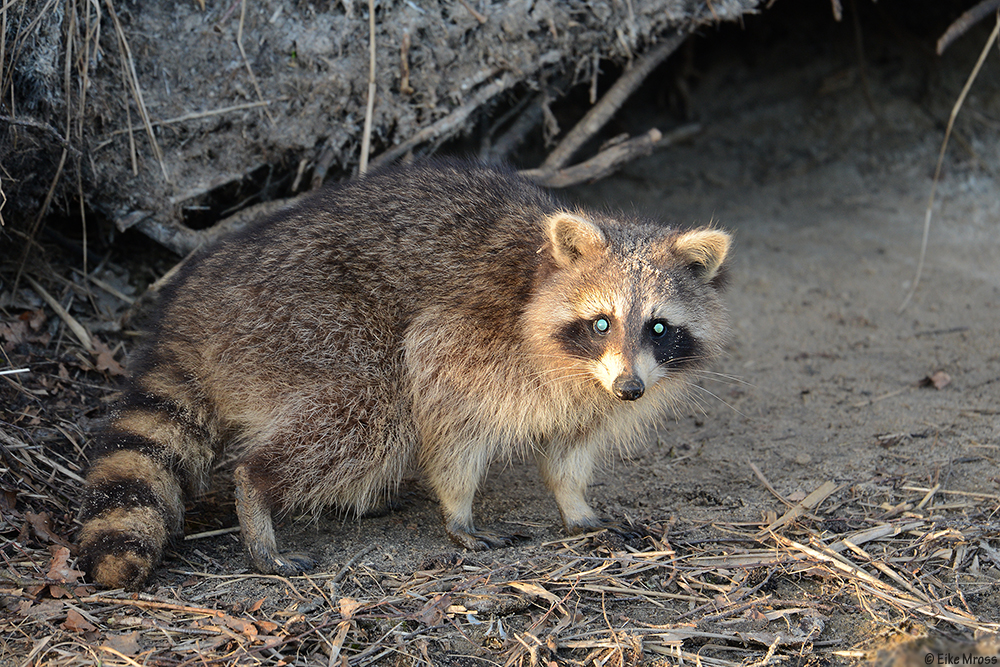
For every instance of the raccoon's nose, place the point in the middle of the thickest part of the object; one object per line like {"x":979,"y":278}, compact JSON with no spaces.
{"x":628,"y":388}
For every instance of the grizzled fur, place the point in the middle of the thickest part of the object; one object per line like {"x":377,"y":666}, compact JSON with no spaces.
{"x":437,"y":316}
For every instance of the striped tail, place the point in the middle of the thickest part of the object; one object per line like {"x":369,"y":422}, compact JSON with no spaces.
{"x":150,"y":453}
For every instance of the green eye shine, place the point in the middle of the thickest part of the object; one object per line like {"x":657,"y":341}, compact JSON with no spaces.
{"x":602,"y":325}
{"x":658,"y":329}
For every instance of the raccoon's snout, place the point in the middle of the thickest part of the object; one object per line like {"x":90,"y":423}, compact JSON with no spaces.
{"x":628,"y":388}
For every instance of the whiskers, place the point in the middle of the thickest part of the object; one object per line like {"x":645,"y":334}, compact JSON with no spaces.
{"x":544,"y":377}
{"x":682,"y":364}
{"x":729,"y":405}
{"x":722,"y":377}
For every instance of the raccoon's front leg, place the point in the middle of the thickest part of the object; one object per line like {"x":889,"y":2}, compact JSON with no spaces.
{"x":254,"y":514}
{"x":454,"y":474}
{"x":566,"y":468}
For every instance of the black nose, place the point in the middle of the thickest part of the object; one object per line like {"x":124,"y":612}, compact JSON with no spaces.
{"x":628,"y":388}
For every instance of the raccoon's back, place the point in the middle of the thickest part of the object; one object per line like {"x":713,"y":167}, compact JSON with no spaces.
{"x":419,"y":232}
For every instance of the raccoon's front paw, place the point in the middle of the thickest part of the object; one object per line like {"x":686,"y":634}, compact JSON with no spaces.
{"x":618,"y":531}
{"x":478,"y":540}
{"x":288,"y":564}
{"x":294,"y":563}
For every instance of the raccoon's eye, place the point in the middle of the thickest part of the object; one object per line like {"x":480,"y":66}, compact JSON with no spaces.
{"x":657,"y":329}
{"x":602,"y":325}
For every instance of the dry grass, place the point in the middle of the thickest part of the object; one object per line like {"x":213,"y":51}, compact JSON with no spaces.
{"x":774,"y":591}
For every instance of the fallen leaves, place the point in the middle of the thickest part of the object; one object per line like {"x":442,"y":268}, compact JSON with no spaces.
{"x":75,"y":622}
{"x":939,"y":380}
{"x":41,"y":523}
{"x":105,"y":359}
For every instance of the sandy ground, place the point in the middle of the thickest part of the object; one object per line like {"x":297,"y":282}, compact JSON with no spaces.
{"x":823,"y":379}
{"x":827,"y":202}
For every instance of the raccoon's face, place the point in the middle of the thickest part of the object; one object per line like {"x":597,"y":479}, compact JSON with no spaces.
{"x":633,"y":307}
{"x":628,"y":351}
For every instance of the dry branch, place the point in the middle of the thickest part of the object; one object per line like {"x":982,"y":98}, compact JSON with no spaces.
{"x":78,"y":329}
{"x":602,"y":112}
{"x":454,"y":121}
{"x":966,"y":21}
{"x":609,"y":160}
{"x":181,"y":239}
{"x":366,"y":135}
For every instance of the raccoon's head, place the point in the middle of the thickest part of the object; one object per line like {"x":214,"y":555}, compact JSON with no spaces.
{"x":629,"y":305}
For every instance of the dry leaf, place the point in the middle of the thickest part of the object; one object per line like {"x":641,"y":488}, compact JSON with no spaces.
{"x":75,"y":622}
{"x":41,"y":523}
{"x":245,"y":627}
{"x":433,"y":612}
{"x":59,"y":568}
{"x":126,"y":644}
{"x":535,"y":590}
{"x":34,"y":318}
{"x":8,"y":499}
{"x":20,"y":331}
{"x":348,"y":606}
{"x":939,"y":380}
{"x":106,"y":359}
{"x":266,"y":626}
{"x":58,"y":592}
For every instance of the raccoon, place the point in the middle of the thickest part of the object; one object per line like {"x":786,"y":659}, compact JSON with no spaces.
{"x":437,"y":316}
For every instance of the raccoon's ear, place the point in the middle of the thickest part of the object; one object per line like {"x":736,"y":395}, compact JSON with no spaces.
{"x":573,"y":237}
{"x":703,"y":250}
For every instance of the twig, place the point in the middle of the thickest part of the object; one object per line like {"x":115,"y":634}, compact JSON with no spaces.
{"x":937,"y":170}
{"x":155,"y":604}
{"x":599,"y":166}
{"x":28,"y":122}
{"x":838,"y":10}
{"x":449,"y":123}
{"x":872,"y":401}
{"x":602,"y":112}
{"x":246,"y":61}
{"x":78,"y":330}
{"x":886,"y":591}
{"x":813,"y":500}
{"x":529,"y":114}
{"x":609,"y":160}
{"x":860,"y":48}
{"x":454,"y":121}
{"x":212,"y":533}
{"x":767,"y":485}
{"x":366,"y":137}
{"x":110,"y":289}
{"x":194,"y":115}
{"x":964,"y":22}
{"x":968,"y":494}
{"x":479,"y":17}
{"x":133,"y":80}
{"x":41,"y":215}
{"x":872,"y":534}
{"x":182,"y":239}
{"x":349,"y":564}
{"x":404,"y":65}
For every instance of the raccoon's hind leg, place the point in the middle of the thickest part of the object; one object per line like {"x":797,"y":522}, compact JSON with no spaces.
{"x":133,"y":503}
{"x":454,"y":473}
{"x":253,"y":509}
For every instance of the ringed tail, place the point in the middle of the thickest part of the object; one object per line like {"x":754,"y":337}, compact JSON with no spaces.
{"x":150,"y":454}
